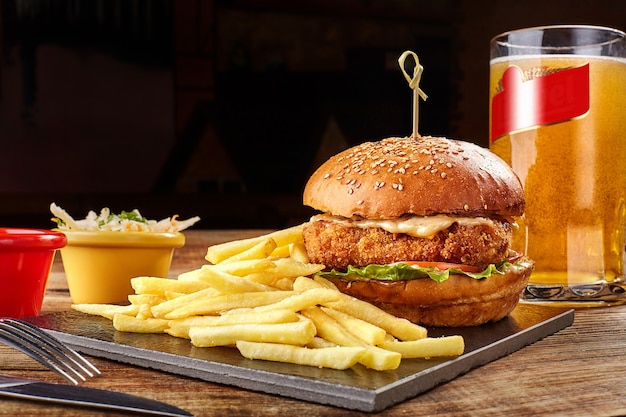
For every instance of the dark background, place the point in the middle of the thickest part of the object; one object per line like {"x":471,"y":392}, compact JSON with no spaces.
{"x":223,"y":108}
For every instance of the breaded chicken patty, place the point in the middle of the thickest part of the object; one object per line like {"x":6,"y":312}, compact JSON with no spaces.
{"x":337,"y":245}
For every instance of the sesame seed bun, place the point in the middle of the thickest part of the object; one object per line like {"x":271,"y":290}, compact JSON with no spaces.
{"x":365,"y":189}
{"x":419,"y":176}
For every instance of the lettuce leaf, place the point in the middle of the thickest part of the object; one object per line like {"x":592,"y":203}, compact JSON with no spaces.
{"x":402,"y":272}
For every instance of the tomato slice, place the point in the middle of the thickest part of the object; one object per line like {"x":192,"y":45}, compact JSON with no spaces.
{"x":443,"y":265}
{"x":514,"y":256}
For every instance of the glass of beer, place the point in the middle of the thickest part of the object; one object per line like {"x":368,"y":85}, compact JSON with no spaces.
{"x":558,"y":116}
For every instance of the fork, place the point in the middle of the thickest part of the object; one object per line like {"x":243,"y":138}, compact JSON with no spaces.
{"x":47,"y":350}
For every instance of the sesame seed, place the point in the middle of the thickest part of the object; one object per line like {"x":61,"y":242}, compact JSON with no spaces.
{"x":350,"y":191}
{"x":443,"y":175}
{"x":359,"y":202}
{"x":326,"y":176}
{"x":466,"y":207}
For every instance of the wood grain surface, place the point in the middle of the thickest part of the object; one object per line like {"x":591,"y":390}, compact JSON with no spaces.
{"x":579,"y":371}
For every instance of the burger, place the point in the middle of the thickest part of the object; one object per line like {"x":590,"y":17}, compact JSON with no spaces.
{"x":420,"y":227}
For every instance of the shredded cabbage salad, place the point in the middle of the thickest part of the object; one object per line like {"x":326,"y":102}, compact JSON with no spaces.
{"x":126,"y":221}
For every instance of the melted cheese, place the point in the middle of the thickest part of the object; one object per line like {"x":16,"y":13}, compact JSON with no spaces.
{"x":417,"y":226}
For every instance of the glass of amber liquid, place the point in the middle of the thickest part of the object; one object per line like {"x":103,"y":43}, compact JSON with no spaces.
{"x":558,"y":117}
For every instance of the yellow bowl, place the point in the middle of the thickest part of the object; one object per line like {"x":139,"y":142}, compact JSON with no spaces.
{"x":100,"y":264}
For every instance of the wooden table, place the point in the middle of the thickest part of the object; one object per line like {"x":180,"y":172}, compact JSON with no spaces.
{"x":579,"y":371}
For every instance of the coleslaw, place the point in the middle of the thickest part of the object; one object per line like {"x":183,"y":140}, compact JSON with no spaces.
{"x":126,"y":221}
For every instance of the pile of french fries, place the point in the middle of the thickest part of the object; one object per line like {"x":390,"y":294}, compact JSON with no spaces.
{"x":257,"y":294}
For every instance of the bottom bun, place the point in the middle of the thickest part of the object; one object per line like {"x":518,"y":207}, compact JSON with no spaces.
{"x":457,"y":302}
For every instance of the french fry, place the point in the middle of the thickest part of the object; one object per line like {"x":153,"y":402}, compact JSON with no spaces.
{"x":380,"y":359}
{"x":190,"y":275}
{"x":281,"y":251}
{"x":365,"y":331}
{"x":297,"y":333}
{"x":297,"y":251}
{"x":291,"y":268}
{"x":162,"y":309}
{"x":303,"y":283}
{"x":283,"y":275}
{"x":284,"y":269}
{"x":170,"y":295}
{"x":330,"y":357}
{"x":246,"y":266}
{"x":228,"y":284}
{"x":325,"y":283}
{"x":400,"y":328}
{"x":158,"y":286}
{"x":182,"y":332}
{"x":218,"y":253}
{"x":125,"y":323}
{"x":329,"y":329}
{"x":428,"y":347}
{"x":145,"y":312}
{"x":106,"y":310}
{"x":285,"y":284}
{"x":225,"y":302}
{"x":261,"y":250}
{"x":301,"y":301}
{"x":319,"y":342}
{"x":181,"y":327}
{"x":240,"y":268}
{"x":149,"y":299}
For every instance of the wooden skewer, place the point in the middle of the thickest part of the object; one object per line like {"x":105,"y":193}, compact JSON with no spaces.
{"x":414,"y":84}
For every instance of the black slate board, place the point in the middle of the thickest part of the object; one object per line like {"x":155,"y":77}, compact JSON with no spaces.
{"x":358,"y":388}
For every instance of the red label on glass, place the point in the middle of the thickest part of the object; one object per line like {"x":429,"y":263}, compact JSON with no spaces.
{"x":552,"y":98}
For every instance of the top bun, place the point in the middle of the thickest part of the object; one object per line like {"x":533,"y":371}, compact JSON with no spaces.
{"x":415,"y":176}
